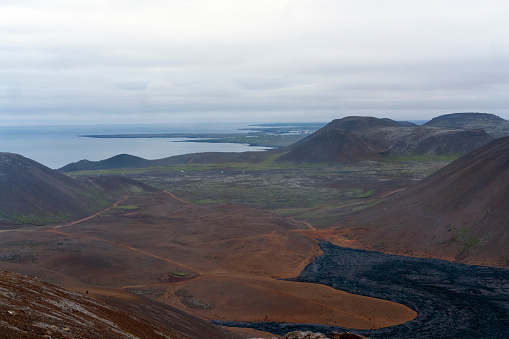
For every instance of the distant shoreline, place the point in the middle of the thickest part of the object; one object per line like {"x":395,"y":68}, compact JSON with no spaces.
{"x":262,"y":135}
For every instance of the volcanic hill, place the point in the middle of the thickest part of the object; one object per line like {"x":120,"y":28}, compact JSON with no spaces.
{"x":459,"y":213}
{"x":332,"y":145}
{"x":353,"y":139}
{"x":117,"y":161}
{"x":490,"y":123}
{"x":30,"y":308}
{"x":31,"y":193}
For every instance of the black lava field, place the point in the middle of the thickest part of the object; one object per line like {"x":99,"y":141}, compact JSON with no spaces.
{"x":452,"y":300}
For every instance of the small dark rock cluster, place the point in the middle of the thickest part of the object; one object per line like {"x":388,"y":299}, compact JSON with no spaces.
{"x":313,"y":335}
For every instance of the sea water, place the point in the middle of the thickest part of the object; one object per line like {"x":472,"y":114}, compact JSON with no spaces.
{"x":56,"y":146}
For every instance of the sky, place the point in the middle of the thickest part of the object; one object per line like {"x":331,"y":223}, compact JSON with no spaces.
{"x":185,"y":61}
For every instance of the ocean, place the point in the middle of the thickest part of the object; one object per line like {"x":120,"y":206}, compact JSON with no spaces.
{"x":57,"y":146}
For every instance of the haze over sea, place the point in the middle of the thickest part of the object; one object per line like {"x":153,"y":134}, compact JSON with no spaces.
{"x":56,"y":146}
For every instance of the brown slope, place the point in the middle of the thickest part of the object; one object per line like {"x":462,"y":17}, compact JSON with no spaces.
{"x":30,"y":308}
{"x":491,"y":123}
{"x":459,"y":213}
{"x":333,"y":145}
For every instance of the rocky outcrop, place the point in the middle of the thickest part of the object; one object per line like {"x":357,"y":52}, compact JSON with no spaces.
{"x":347,"y":335}
{"x":304,"y":335}
{"x":313,"y":335}
{"x":30,"y":308}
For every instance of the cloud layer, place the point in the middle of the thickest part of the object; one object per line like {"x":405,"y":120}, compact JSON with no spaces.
{"x":253,"y":60}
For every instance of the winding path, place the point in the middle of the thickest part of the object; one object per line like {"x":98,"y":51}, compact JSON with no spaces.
{"x":54,"y":230}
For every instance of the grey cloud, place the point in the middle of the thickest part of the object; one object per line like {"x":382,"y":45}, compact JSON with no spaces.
{"x":180,"y":59}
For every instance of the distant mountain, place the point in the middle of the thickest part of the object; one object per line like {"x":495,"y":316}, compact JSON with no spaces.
{"x":129,"y":161}
{"x":459,"y":213}
{"x":427,"y":140}
{"x":117,"y":161}
{"x":360,"y":124}
{"x":368,"y":138}
{"x":332,"y":145}
{"x":401,"y":123}
{"x":31,"y":193}
{"x":356,"y":138}
{"x":490,"y":123}
{"x":34,"y":309}
{"x":410,"y":139}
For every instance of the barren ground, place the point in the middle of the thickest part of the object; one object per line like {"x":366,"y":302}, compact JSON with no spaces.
{"x":215,"y":261}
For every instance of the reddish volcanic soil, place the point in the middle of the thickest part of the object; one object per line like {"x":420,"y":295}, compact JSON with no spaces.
{"x":459,"y":213}
{"x":30,"y":308}
{"x":214,"y":261}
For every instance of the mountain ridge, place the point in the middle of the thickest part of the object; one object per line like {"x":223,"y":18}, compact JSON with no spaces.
{"x":490,"y":123}
{"x":392,"y":138}
{"x":356,"y":138}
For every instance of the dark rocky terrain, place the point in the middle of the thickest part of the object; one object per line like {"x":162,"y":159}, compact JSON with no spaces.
{"x":30,"y":308}
{"x":460,"y":213}
{"x":452,"y":300}
{"x":490,"y":123}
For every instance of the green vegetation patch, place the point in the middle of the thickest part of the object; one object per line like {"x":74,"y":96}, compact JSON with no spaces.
{"x":253,"y":139}
{"x":421,"y":158}
{"x":210,"y":201}
{"x":32,"y":219}
{"x":470,"y":240}
{"x":360,"y":193}
{"x":128,"y":207}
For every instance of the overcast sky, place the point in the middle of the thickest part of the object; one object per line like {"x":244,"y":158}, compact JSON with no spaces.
{"x":164,"y":61}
